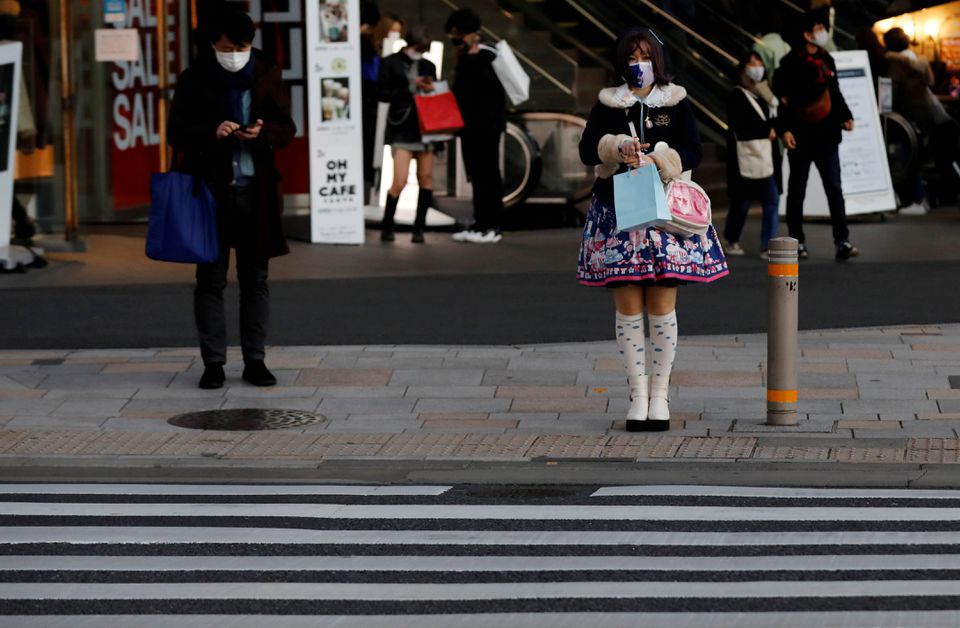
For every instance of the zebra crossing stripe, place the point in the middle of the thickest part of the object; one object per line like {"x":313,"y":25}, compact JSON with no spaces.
{"x":223,"y":490}
{"x":472,"y":512}
{"x":907,"y":562}
{"x":141,"y":536}
{"x":754,"y":491}
{"x":484,"y":591}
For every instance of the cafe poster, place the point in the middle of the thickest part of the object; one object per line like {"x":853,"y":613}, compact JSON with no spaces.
{"x":865,"y":173}
{"x":335,"y":122}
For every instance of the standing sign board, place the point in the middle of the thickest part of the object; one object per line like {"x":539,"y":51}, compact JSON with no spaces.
{"x":865,"y":173}
{"x":10,"y":69}
{"x":335,"y":122}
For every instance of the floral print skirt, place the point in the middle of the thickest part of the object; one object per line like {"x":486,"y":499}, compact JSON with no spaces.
{"x":649,"y":256}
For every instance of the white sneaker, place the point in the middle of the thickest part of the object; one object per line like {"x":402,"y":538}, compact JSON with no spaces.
{"x":463,"y":236}
{"x":916,"y":209}
{"x":487,"y":237}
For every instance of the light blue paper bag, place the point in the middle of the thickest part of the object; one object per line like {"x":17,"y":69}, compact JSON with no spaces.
{"x":639,"y":199}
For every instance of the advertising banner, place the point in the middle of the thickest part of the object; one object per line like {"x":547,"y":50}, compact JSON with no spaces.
{"x":865,"y":173}
{"x":335,"y":122}
{"x":10,"y":68}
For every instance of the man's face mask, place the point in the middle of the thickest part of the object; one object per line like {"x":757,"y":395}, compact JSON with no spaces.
{"x":233,"y":61}
{"x":821,"y":37}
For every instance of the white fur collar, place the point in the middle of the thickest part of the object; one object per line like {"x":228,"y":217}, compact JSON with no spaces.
{"x":661,"y":96}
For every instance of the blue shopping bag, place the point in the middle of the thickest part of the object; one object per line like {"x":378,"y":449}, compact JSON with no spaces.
{"x":639,"y":199}
{"x":183,"y":220}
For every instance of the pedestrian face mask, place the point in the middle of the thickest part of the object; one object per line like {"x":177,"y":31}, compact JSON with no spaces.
{"x":821,"y":37}
{"x":641,"y":74}
{"x":755,"y":72}
{"x":456,"y":42}
{"x":233,"y":61}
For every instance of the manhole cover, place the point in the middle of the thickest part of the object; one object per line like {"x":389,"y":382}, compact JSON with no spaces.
{"x":246,"y":419}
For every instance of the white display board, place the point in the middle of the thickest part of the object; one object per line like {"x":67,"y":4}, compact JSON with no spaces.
{"x":10,"y":56}
{"x":865,"y":173}
{"x":335,"y":122}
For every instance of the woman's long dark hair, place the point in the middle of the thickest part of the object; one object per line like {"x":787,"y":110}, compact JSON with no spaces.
{"x":644,"y":39}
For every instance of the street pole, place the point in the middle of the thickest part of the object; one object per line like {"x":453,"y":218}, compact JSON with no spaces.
{"x":782,"y":345}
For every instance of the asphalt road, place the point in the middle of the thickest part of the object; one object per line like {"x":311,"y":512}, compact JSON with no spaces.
{"x":503,"y":308}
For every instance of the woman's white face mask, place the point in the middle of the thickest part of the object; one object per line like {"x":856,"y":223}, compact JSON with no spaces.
{"x":755,"y":72}
{"x":233,"y":61}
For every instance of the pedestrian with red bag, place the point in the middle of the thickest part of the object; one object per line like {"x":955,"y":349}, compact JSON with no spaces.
{"x":402,"y":76}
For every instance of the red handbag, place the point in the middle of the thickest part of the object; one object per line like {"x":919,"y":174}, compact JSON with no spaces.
{"x":438,"y":113}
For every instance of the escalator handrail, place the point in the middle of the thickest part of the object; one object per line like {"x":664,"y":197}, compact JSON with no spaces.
{"x":717,"y":49}
{"x":573,"y":42}
{"x":531,"y":63}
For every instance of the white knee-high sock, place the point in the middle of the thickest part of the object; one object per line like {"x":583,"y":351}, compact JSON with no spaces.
{"x":663,"y":351}
{"x":632,"y":345}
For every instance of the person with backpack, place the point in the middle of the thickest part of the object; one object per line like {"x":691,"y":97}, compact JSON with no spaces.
{"x":482,"y":102}
{"x":811,"y":118}
{"x":753,"y":155}
{"x":643,"y":267}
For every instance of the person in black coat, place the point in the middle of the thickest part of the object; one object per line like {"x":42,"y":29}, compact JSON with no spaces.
{"x":482,"y":103}
{"x":647,"y":122}
{"x":230,"y":112}
{"x":749,"y":116}
{"x":812,"y":116}
{"x":403,"y":75}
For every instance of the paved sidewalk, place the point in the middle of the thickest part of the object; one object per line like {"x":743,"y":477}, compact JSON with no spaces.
{"x":867,"y":396}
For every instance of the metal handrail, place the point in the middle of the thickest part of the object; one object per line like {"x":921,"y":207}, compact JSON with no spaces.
{"x":593,"y":20}
{"x":535,"y":66}
{"x":717,"y":49}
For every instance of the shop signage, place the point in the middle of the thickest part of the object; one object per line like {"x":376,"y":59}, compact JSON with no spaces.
{"x":334,"y":122}
{"x":10,"y":68}
{"x":116,"y":44}
{"x":114,"y":11}
{"x":865,"y":173}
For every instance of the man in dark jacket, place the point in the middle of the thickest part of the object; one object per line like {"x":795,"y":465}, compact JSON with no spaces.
{"x":812,"y":115}
{"x":482,"y":103}
{"x":230,"y":112}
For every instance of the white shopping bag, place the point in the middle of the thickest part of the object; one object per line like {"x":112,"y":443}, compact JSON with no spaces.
{"x":516,"y":82}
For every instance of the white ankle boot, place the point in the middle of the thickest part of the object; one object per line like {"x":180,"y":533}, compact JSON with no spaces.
{"x":658,"y":415}
{"x":639,"y":402}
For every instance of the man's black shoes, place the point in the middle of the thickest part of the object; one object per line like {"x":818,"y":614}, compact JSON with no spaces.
{"x":845,"y":251}
{"x":213,"y":377}
{"x":256,"y":372}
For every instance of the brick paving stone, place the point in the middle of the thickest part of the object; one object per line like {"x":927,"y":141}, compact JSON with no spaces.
{"x":126,"y":444}
{"x":938,"y":416}
{"x":610,"y":392}
{"x":943,"y":394}
{"x":567,"y":446}
{"x":175,"y":406}
{"x":274,"y":445}
{"x":632,"y":446}
{"x":54,"y":443}
{"x":201,"y":443}
{"x":35,"y":407}
{"x":719,"y":378}
{"x":21,"y":393}
{"x":561,"y":404}
{"x":936,"y":348}
{"x":869,"y":425}
{"x":354,"y":445}
{"x":140,"y":424}
{"x":177,"y":353}
{"x":455,"y":416}
{"x":868,"y":394}
{"x":505,"y":446}
{"x":863,"y":354}
{"x":24,"y":379}
{"x":868,"y":454}
{"x":475,"y":363}
{"x":468,"y":424}
{"x":16,"y":361}
{"x":722,"y":447}
{"x":709,"y":342}
{"x":505,"y":377}
{"x":934,"y":443}
{"x":393,"y":426}
{"x":601,"y":378}
{"x":540,"y":392}
{"x":146,"y":367}
{"x":436,"y":377}
{"x":821,"y":367}
{"x":497,"y":353}
{"x":393,"y":363}
{"x":766,"y":452}
{"x":928,"y":429}
{"x":111,"y":380}
{"x":268,"y":403}
{"x":608,"y":364}
{"x":716,"y":393}
{"x":360,"y":392}
{"x":144,"y":414}
{"x":551,"y":364}
{"x":829,"y":393}
{"x":343,"y":377}
{"x":103,"y":408}
{"x":802,"y":427}
{"x":450,"y":392}
{"x":461,"y":405}
{"x":10,"y":438}
{"x":94,"y":393}
{"x":878,"y":367}
{"x":933,"y":456}
{"x":890,"y":406}
{"x":424,"y":445}
{"x":902,"y":380}
{"x":272,"y":392}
